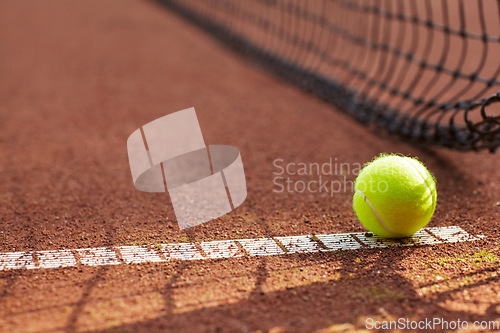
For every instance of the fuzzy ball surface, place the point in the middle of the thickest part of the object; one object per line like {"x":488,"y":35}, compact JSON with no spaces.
{"x":394,"y":196}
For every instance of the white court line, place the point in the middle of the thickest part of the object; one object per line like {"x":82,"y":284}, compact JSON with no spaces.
{"x":422,"y":237}
{"x":299,"y":244}
{"x":55,"y":259}
{"x":225,"y":249}
{"x":221,"y":249}
{"x":16,"y":260}
{"x":261,"y":247}
{"x":452,"y":234}
{"x":181,"y":251}
{"x":99,"y":256}
{"x":339,"y":242}
{"x":139,"y":254}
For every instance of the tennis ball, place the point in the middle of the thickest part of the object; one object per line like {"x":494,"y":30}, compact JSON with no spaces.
{"x":395,"y":196}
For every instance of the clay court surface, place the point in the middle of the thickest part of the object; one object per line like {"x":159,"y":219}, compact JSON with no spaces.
{"x":77,"y":78}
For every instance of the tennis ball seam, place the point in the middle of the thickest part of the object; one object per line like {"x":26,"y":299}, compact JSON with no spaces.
{"x":380,"y":219}
{"x":423,"y":178}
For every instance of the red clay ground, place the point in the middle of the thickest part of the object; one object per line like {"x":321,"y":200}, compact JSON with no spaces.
{"x":76,"y":78}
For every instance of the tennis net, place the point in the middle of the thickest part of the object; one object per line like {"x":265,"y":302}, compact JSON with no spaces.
{"x":426,"y":71}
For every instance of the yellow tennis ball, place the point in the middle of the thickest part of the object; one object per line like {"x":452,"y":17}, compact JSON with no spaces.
{"x":395,"y":196}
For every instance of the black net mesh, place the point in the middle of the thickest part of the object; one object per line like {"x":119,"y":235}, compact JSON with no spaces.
{"x":425,"y":70}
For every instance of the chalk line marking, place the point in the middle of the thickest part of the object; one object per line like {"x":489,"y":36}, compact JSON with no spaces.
{"x":224,"y":249}
{"x":299,"y":244}
{"x":56,"y":259}
{"x":221,"y":249}
{"x":139,"y":254}
{"x":16,"y":260}
{"x":98,"y":256}
{"x":181,"y":251}
{"x":261,"y":247}
{"x":339,"y":242}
